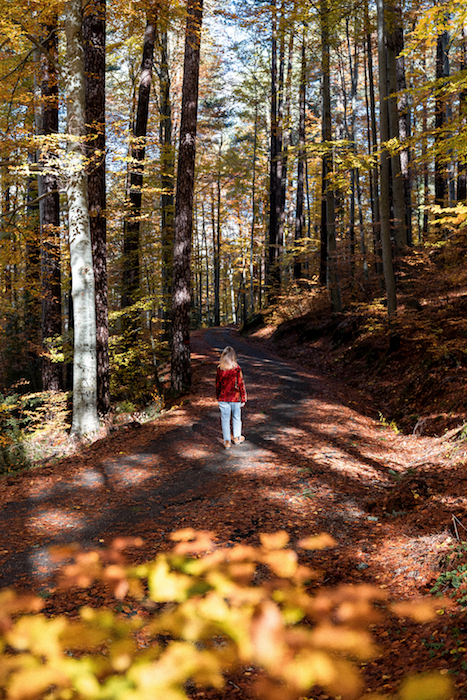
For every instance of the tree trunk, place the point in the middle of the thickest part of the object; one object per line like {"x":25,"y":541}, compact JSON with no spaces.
{"x":32,"y":303}
{"x":299,"y":209}
{"x":400,"y":229}
{"x":167,"y":157}
{"x":181,"y":295}
{"x":131,"y":233}
{"x":373,"y":147}
{"x":272,"y":266}
{"x":442,"y":71}
{"x":462,"y":166}
{"x":253,"y":209}
{"x":49,"y":209}
{"x":85,"y":419}
{"x":386,"y":245}
{"x":404,"y":131}
{"x":94,"y":67}
{"x":329,"y":198}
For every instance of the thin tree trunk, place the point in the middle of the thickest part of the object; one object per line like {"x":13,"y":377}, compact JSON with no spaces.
{"x":32,"y":303}
{"x":462,"y":166}
{"x":374,"y":175}
{"x":272,"y":267}
{"x":333,"y":279}
{"x":400,"y":229}
{"x":216,"y":263}
{"x":49,"y":209}
{"x":388,"y":267}
{"x":94,"y":66}
{"x":217,"y":320}
{"x":442,"y":71}
{"x":299,"y":209}
{"x":404,"y":130}
{"x":253,"y":210}
{"x":131,"y":233}
{"x":353,"y":72}
{"x":180,"y":364}
{"x":167,"y":157}
{"x":85,"y":419}
{"x":426,"y":183}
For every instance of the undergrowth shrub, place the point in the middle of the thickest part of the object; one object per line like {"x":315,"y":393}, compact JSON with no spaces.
{"x":201,"y":613}
{"x":297,"y":301}
{"x":135,"y":369}
{"x":453,"y":580}
{"x":31,"y":427}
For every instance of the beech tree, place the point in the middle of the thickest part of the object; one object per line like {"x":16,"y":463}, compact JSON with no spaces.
{"x":85,"y":418}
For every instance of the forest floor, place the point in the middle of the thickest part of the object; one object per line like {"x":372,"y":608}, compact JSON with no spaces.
{"x":315,"y":459}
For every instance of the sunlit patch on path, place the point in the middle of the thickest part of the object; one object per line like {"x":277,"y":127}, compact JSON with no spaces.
{"x":54,"y":521}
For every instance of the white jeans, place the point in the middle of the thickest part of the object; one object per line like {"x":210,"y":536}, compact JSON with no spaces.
{"x":228,"y":408}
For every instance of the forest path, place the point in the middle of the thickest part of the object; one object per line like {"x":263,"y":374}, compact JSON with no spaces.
{"x":312,"y":461}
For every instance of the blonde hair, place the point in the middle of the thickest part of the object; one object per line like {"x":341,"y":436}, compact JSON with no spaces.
{"x":228,"y":359}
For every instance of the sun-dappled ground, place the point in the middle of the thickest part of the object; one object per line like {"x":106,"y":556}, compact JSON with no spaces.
{"x":315,"y":459}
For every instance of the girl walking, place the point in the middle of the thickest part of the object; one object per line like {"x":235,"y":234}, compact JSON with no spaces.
{"x":231,"y":395}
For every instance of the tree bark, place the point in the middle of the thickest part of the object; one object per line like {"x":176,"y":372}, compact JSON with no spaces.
{"x":49,"y":212}
{"x":404,"y":130}
{"x":94,"y":67}
{"x":299,"y":208}
{"x":386,"y":245}
{"x":329,"y":198}
{"x":253,"y":209}
{"x":373,"y":147}
{"x":462,"y":166}
{"x":181,"y":294}
{"x":167,"y":157}
{"x":131,"y":232}
{"x":392,"y":25}
{"x":272,"y":259}
{"x":442,"y":71}
{"x":85,"y":419}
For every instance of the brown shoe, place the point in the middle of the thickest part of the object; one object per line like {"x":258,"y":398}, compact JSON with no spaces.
{"x":227,"y":445}
{"x":237,"y":441}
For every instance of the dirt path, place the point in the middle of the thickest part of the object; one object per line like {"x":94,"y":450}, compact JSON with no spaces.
{"x":313,"y":460}
{"x":310,"y":463}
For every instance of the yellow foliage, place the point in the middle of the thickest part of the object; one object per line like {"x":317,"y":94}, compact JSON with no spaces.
{"x":216,"y":617}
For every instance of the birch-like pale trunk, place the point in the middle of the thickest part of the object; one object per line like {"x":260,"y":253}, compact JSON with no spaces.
{"x":85,"y":419}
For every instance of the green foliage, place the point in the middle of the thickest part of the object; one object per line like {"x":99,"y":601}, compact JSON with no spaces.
{"x":453,"y":580}
{"x":202,"y":612}
{"x":27,"y":423}
{"x":133,"y":368}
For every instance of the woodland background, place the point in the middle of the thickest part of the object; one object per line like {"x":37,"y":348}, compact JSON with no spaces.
{"x":296,"y":168}
{"x":330,"y":177}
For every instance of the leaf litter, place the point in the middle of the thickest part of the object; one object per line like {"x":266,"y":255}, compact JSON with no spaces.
{"x":314,"y":460}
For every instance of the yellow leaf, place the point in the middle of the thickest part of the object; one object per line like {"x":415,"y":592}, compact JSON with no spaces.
{"x":422,"y":610}
{"x":430,"y":686}
{"x":38,"y":635}
{"x":277,"y":540}
{"x":165,"y":585}
{"x":282,"y":563}
{"x":317,"y":541}
{"x":32,"y":681}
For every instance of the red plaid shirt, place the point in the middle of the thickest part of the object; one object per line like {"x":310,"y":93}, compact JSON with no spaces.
{"x":230,"y":385}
